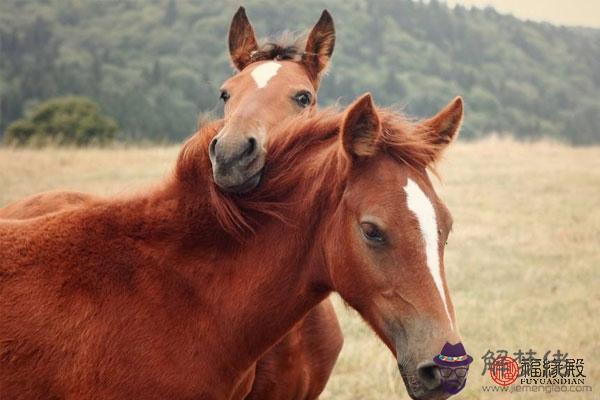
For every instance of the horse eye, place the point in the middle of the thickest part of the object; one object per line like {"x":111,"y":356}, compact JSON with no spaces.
{"x":372,"y":233}
{"x":225,"y":95}
{"x":440,"y":233}
{"x":303,"y":99}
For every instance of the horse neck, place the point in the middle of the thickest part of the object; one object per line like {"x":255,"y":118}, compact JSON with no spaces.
{"x":261,"y":287}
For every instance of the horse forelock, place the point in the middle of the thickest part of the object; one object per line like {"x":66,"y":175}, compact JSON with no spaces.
{"x":287,"y":46}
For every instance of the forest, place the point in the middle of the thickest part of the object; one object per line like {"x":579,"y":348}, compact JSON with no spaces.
{"x":154,"y":65}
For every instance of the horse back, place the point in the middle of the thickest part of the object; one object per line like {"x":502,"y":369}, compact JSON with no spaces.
{"x":44,"y":203}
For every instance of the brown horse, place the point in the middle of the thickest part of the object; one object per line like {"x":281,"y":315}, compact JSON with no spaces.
{"x":302,"y":361}
{"x":152,"y":297}
{"x":275,"y":81}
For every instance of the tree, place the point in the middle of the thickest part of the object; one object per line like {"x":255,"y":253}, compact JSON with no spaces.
{"x":154,"y":65}
{"x":63,"y":120}
{"x":583,"y":128}
{"x":170,"y":14}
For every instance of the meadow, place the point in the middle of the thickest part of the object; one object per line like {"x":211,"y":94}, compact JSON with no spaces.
{"x":523,"y":261}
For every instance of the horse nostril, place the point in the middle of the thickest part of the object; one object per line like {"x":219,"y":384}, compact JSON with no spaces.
{"x":251,"y":148}
{"x":429,"y":374}
{"x":212,"y":147}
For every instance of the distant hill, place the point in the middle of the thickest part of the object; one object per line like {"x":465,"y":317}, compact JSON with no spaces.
{"x":153,"y":65}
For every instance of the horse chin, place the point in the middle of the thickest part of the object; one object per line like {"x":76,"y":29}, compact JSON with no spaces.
{"x":246,"y":186}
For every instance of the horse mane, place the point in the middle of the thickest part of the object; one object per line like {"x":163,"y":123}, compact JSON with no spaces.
{"x":284,"y":171}
{"x":284,"y":47}
{"x":294,"y":163}
{"x":291,"y":165}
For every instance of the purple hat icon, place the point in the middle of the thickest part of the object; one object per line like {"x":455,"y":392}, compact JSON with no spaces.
{"x":453,"y":355}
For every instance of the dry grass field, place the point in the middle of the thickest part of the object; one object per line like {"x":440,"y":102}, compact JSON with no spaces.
{"x":523,"y":261}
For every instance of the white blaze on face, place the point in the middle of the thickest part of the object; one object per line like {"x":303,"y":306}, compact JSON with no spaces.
{"x":264,"y":72}
{"x":421,"y":206}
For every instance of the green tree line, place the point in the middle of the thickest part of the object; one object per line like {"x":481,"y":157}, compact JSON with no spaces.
{"x":154,"y":65}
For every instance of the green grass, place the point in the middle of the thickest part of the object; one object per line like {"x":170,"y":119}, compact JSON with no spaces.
{"x":523,"y":262}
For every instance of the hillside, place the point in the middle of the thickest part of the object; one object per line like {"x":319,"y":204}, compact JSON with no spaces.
{"x":153,"y":65}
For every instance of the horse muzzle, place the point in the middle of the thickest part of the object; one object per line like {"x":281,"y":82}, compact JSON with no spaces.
{"x":237,"y":164}
{"x":423,"y":382}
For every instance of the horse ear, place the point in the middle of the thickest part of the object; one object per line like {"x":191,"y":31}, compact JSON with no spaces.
{"x":242,"y":41}
{"x":319,"y":46}
{"x":443,"y":127}
{"x":361,"y":128}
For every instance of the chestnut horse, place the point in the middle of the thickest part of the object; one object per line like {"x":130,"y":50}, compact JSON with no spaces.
{"x":275,"y":81}
{"x":302,"y":361}
{"x":152,"y":297}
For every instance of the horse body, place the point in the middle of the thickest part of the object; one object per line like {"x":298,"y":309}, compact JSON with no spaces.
{"x":314,"y":344}
{"x":302,"y":359}
{"x":299,"y":363}
{"x":100,"y":302}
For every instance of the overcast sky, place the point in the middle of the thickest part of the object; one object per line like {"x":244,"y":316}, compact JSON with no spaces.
{"x":560,"y":12}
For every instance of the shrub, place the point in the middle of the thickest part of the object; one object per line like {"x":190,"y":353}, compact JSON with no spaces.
{"x":70,"y":120}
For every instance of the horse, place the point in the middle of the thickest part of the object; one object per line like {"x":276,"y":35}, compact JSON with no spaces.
{"x":156,"y":296}
{"x":281,"y":76}
{"x":303,"y":360}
